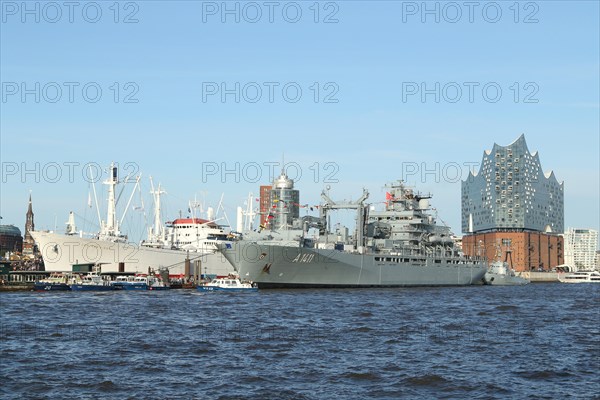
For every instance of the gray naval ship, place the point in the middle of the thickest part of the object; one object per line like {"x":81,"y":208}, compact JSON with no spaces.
{"x":399,"y":246}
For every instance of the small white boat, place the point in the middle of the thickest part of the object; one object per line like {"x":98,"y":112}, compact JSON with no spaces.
{"x":92,"y":282}
{"x":580,"y":277}
{"x":500,"y":274}
{"x":229,"y":284}
{"x":157,"y":284}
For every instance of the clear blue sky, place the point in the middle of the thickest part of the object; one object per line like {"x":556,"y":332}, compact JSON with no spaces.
{"x":373,"y":61}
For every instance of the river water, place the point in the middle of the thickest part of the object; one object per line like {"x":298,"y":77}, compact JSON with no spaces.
{"x":534,"y":341}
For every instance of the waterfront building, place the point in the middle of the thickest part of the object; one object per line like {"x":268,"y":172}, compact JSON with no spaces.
{"x":523,"y":250}
{"x":10,"y":239}
{"x":510,"y":191}
{"x":580,"y":248}
{"x":512,"y":210}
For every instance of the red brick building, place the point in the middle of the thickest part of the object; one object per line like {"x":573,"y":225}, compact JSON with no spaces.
{"x":525,"y":251}
{"x":265,"y":203}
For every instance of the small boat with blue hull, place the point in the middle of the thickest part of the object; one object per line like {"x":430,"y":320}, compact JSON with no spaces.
{"x":55,"y":282}
{"x":121,"y":282}
{"x":92,"y":282}
{"x":139,"y":283}
{"x":229,"y":284}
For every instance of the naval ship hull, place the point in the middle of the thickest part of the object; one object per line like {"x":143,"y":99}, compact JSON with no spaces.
{"x":61,"y":252}
{"x":276,"y":266}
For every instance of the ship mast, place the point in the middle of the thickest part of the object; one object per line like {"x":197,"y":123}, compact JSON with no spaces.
{"x":157,"y":229}
{"x":249,"y":214}
{"x":111,"y":226}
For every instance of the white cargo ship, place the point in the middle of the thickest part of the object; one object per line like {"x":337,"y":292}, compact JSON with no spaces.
{"x":169,"y":246}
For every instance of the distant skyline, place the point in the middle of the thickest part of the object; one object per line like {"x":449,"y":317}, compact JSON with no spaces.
{"x":370,"y":93}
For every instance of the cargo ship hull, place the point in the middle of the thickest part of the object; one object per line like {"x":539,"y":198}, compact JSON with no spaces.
{"x":276,"y":266}
{"x":61,"y":252}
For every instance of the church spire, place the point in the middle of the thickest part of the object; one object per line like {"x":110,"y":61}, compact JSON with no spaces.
{"x":30,"y":209}
{"x":28,"y":243}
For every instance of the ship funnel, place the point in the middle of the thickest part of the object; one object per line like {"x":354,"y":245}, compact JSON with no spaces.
{"x":210,"y":213}
{"x":424,"y":204}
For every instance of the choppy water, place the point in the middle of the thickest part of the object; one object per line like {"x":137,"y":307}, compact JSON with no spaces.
{"x":536,"y":341}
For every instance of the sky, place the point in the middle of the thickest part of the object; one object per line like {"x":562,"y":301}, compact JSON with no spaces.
{"x":208,"y":98}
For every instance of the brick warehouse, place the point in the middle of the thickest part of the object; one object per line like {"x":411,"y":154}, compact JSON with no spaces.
{"x":528,"y":251}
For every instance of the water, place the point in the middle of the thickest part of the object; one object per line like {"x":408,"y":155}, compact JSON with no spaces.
{"x":535,"y":341}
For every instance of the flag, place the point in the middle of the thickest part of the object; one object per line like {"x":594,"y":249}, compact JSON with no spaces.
{"x":388,"y":196}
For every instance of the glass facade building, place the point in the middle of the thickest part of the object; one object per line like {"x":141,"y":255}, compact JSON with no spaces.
{"x":511,"y":192}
